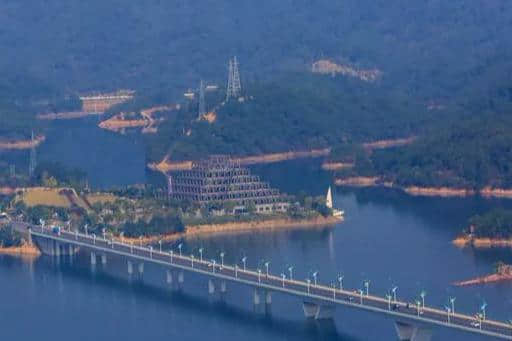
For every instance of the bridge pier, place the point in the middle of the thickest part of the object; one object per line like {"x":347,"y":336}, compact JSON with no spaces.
{"x":130,"y":267}
{"x":318,"y":311}
{"x":211,"y":287}
{"x":93,"y":258}
{"x":104,"y":259}
{"x":181,"y":278}
{"x":411,"y":332}
{"x":168,"y":277}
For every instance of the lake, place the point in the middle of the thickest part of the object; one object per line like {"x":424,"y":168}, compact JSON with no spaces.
{"x":388,"y":238}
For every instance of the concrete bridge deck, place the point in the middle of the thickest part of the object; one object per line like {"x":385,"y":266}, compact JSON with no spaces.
{"x":412,"y":322}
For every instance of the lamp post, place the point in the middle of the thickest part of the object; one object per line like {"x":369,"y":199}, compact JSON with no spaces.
{"x":150,"y":251}
{"x":452,"y":301}
{"x":192,"y":257}
{"x":333,"y":286}
{"x":94,"y":239}
{"x":309,"y":284}
{"x":422,"y":295}
{"x":393,"y":290}
{"x":236,"y":270}
{"x":222,"y":254}
{"x":340,"y":281}
{"x":448,"y":311}
{"x":201,"y":254}
{"x":482,"y":308}
{"x":131,"y":247}
{"x":315,"y":275}
{"x":244,"y":260}
{"x":259,"y":275}
{"x":172,"y":254}
{"x":367,"y":286}
{"x":388,"y":296}
{"x":213,"y":265}
{"x":283,"y":277}
{"x":361,"y":292}
{"x":418,"y":305}
{"x":103,"y":230}
{"x":290,"y":272}
{"x":86,"y":227}
{"x":160,"y":244}
{"x":267,"y":263}
{"x":140,"y":241}
{"x":180,"y":245}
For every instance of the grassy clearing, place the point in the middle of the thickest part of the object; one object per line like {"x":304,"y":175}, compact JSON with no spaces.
{"x":101,"y":197}
{"x":45,"y":196}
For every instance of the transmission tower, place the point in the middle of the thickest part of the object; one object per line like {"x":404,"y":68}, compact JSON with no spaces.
{"x":32,"y":164}
{"x":234,"y":89}
{"x":202,"y":105}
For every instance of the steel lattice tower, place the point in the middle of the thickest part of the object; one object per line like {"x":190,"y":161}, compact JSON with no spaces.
{"x":202,"y":105}
{"x":234,"y":89}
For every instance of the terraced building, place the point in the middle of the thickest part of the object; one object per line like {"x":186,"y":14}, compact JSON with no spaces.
{"x":220,"y":179}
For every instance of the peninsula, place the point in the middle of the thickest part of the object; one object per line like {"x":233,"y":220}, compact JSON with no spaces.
{"x":492,"y":229}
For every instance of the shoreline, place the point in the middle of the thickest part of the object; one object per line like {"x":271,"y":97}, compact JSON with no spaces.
{"x":71,"y":115}
{"x":167,"y":165}
{"x":25,"y":250}
{"x":375,"y":181}
{"x":465,"y":241}
{"x":23,"y":144}
{"x":194,"y":231}
{"x":494,"y":278}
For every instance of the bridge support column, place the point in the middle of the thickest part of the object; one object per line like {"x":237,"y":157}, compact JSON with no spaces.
{"x":211,"y":286}
{"x":181,"y":278}
{"x":93,"y":258}
{"x":256,"y":299}
{"x":141,"y":269}
{"x":168,"y":276}
{"x":411,"y":332}
{"x":318,"y":311}
{"x":130,"y":267}
{"x":103,"y":258}
{"x":56,"y":248}
{"x":223,"y":287}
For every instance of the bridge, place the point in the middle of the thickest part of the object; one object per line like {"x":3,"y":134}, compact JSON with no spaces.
{"x":414,"y":322}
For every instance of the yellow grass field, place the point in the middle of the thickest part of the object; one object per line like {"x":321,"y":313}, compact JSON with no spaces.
{"x":50,"y":197}
{"x":45,"y":196}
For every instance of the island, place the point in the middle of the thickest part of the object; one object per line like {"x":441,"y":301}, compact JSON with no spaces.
{"x":503,"y":272}
{"x":492,"y":229}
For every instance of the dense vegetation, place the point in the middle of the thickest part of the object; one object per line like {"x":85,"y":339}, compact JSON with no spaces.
{"x":473,"y":154}
{"x":454,"y":56}
{"x":493,"y":224}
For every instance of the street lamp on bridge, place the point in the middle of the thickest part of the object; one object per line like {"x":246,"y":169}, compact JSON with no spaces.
{"x":388,"y":296}
{"x":361,"y":292}
{"x":340,"y":281}
{"x":452,"y":302}
{"x":315,"y":275}
{"x":222,"y":254}
{"x":259,"y":275}
{"x":482,"y":308}
{"x":309,"y":284}
{"x":267,"y":263}
{"x":244,"y":261}
{"x":367,"y":286}
{"x":160,"y":244}
{"x":448,"y":311}
{"x":201,"y":254}
{"x":180,"y":246}
{"x":290,"y":271}
{"x":283,"y":277}
{"x":422,"y":295}
{"x":393,"y":290}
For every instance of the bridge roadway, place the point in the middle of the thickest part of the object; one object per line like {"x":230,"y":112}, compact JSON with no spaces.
{"x":316,"y":296}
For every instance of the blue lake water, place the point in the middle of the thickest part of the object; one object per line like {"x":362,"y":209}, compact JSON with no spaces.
{"x":388,"y":237}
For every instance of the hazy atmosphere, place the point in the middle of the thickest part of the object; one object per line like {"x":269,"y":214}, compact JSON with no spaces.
{"x":306,"y":170}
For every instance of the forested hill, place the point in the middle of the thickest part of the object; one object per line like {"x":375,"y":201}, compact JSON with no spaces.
{"x":297,"y":112}
{"x":436,"y":49}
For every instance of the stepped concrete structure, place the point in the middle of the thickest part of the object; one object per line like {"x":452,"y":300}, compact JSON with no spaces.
{"x":220,"y":179}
